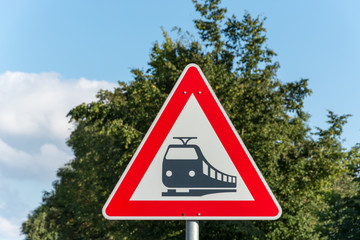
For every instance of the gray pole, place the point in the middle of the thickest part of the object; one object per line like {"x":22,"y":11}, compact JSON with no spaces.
{"x":192,"y":230}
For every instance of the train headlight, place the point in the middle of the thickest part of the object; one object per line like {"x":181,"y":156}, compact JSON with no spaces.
{"x":168,"y":173}
{"x":191,"y":173}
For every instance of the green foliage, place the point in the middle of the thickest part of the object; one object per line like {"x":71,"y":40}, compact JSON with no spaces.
{"x":342,"y":221}
{"x":309,"y":175}
{"x":40,"y":226}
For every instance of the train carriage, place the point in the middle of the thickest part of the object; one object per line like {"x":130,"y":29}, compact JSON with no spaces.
{"x":184,"y":166}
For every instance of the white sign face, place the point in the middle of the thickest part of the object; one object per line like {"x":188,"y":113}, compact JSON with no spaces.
{"x":191,"y":122}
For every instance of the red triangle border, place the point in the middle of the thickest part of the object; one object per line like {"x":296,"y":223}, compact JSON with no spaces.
{"x":263,"y":207}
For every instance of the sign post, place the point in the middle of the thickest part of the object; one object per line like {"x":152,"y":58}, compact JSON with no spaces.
{"x":192,"y":230}
{"x":192,"y":165}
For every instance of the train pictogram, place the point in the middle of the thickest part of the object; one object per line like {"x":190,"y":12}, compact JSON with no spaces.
{"x":185,"y":167}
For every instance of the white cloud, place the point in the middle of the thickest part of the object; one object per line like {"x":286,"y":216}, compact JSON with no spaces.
{"x":33,"y":123}
{"x":42,"y":165}
{"x":33,"y":116}
{"x":36,"y":104}
{"x":8,"y":230}
{"x":12,"y":157}
{"x":33,"y":130}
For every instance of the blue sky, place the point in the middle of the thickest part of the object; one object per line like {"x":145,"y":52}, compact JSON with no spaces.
{"x":57,"y":54}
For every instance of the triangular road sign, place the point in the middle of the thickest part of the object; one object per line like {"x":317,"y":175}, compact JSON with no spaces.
{"x":192,"y":164}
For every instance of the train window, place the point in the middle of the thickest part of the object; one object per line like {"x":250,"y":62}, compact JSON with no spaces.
{"x":230,"y":179}
{"x":212,"y":173}
{"x":219,"y":176}
{"x":225,"y":178}
{"x":205,"y":169}
{"x":181,"y":154}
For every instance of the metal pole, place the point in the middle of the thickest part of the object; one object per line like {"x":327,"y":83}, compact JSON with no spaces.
{"x":192,"y":230}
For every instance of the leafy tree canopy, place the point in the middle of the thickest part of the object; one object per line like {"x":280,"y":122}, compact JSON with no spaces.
{"x":311,"y":174}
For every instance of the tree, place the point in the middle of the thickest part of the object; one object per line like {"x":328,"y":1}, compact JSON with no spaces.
{"x":342,"y":221}
{"x":300,"y":169}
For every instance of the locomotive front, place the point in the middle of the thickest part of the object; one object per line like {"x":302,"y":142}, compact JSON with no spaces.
{"x":184,"y":166}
